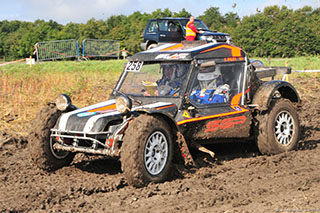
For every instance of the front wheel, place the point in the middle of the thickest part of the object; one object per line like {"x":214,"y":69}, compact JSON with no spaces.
{"x":278,"y":128}
{"x":40,"y":144}
{"x":147,"y":151}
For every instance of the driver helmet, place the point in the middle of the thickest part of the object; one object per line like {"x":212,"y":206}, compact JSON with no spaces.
{"x":181,"y":70}
{"x":209,"y":79}
{"x":168,"y":71}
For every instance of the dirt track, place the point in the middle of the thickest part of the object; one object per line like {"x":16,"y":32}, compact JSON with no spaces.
{"x":240,"y":180}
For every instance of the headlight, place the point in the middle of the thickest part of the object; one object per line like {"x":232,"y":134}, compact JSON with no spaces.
{"x":123,"y":104}
{"x":202,"y":38}
{"x":63,"y":101}
{"x":209,"y":38}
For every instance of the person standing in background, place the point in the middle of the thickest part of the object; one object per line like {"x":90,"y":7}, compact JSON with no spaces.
{"x":191,"y":30}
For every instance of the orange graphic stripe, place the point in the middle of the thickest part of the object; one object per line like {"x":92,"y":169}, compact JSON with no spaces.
{"x":174,"y":47}
{"x":235,"y":51}
{"x":211,"y":116}
{"x":112,"y":106}
{"x":236,"y":99}
{"x":165,"y":106}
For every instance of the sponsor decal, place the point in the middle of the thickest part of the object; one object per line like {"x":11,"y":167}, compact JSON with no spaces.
{"x":85,"y":114}
{"x":186,"y":114}
{"x":231,"y":59}
{"x":225,"y":123}
{"x":237,"y":108}
{"x":172,"y":56}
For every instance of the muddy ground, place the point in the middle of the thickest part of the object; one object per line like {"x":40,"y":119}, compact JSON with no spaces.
{"x":239,"y":180}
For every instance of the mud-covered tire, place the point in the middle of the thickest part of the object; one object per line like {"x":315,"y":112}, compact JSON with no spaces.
{"x":40,"y":144}
{"x":147,"y":151}
{"x":278,"y":128}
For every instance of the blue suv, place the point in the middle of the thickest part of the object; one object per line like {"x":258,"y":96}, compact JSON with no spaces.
{"x":167,"y":30}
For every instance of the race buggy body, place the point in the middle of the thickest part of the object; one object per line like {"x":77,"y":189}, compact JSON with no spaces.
{"x":168,"y":99}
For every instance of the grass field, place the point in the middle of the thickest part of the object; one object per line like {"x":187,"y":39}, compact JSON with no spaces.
{"x":25,"y":90}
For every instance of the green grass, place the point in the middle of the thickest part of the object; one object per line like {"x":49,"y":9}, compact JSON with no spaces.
{"x":298,"y":63}
{"x":62,"y":67}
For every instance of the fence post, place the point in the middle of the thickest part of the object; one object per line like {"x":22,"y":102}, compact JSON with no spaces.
{"x":78,"y":49}
{"x":83,"y":47}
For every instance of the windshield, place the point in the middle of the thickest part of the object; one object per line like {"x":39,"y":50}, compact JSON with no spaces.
{"x":154,"y":79}
{"x":200,"y":25}
{"x":197,"y":23}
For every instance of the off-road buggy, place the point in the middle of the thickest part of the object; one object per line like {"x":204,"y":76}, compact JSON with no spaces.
{"x":166,"y":100}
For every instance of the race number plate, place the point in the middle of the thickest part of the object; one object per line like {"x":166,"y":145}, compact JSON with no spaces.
{"x":134,"y":66}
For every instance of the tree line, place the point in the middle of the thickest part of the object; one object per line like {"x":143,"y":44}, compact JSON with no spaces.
{"x":273,"y":32}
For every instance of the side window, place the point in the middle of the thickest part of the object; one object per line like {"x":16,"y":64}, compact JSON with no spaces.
{"x":153,"y":27}
{"x":163,"y":25}
{"x":216,"y":84}
{"x":172,"y":27}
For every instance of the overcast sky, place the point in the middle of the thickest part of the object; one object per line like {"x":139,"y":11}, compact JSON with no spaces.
{"x":80,"y":11}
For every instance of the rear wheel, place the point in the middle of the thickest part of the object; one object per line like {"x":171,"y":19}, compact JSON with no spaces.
{"x":278,"y":128}
{"x":40,"y":143}
{"x":147,"y":151}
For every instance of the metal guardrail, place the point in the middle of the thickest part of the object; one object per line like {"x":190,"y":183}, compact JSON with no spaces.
{"x":61,"y":49}
{"x":100,"y":48}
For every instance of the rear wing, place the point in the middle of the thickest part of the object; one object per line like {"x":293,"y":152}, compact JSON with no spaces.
{"x":265,"y":72}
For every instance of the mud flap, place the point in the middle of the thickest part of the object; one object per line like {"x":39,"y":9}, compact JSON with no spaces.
{"x":184,"y":151}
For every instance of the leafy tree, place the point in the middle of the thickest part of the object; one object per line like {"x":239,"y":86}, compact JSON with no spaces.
{"x":275,"y":32}
{"x":183,"y":14}
{"x":213,"y":18}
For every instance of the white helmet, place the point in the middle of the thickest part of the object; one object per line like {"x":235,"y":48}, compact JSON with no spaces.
{"x":208,"y":79}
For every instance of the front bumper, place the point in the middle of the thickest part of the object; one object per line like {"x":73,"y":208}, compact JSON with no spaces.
{"x":143,"y":46}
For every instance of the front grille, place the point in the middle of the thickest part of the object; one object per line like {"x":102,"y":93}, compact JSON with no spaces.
{"x":220,"y":38}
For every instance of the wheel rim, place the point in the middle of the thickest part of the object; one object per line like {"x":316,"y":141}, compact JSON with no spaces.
{"x":57,"y":154}
{"x":156,"y":153}
{"x":284,"y":128}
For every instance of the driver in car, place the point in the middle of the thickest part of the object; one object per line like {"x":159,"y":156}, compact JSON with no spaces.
{"x":211,"y":88}
{"x":172,"y":79}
